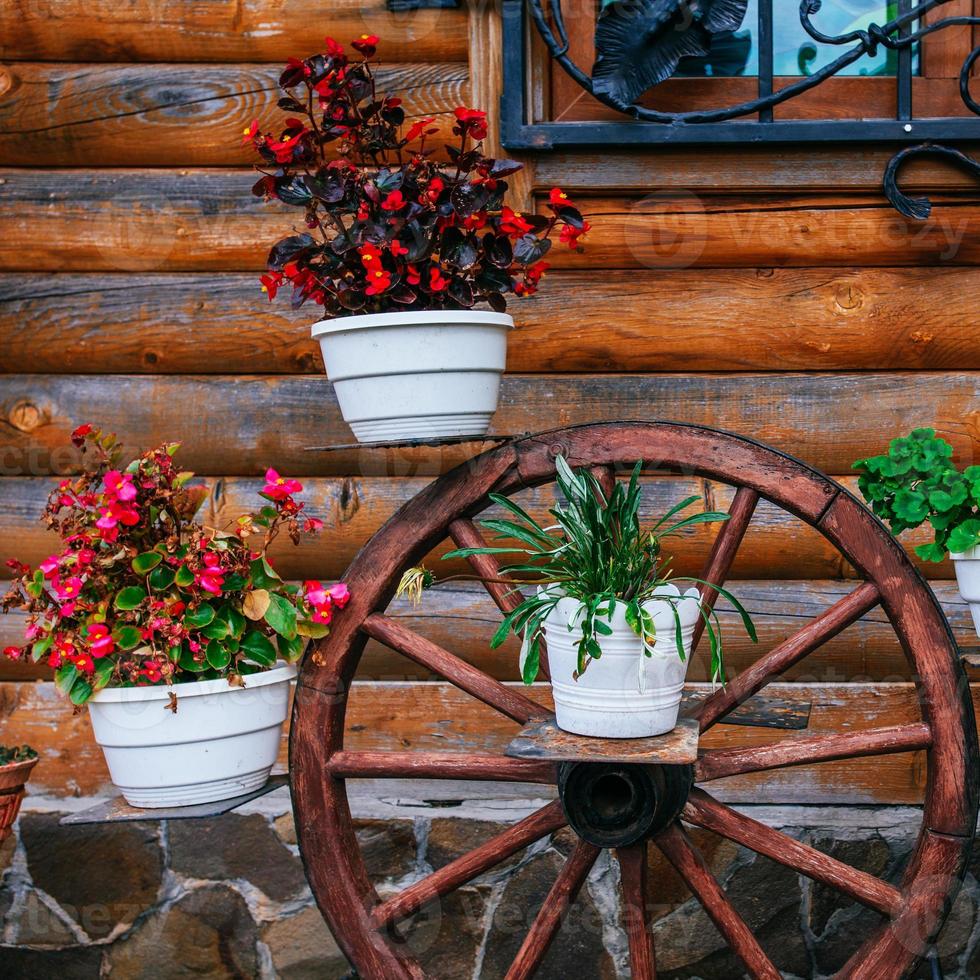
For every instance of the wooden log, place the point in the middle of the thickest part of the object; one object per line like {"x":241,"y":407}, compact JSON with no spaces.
{"x":452,"y":668}
{"x":76,"y":115}
{"x":207,"y":220}
{"x":749,"y":168}
{"x":806,"y":750}
{"x":704,"y":811}
{"x":827,"y":419}
{"x":679,"y":231}
{"x":438,"y":765}
{"x":175,"y":31}
{"x":548,"y":921}
{"x":723,"y":553}
{"x":634,"y":880}
{"x":770,"y":666}
{"x":413,"y":717}
{"x":472,"y":864}
{"x":690,"y":865}
{"x":463,"y":621}
{"x":669,"y":320}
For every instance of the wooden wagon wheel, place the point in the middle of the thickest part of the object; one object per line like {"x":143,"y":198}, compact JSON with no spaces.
{"x":912,"y":911}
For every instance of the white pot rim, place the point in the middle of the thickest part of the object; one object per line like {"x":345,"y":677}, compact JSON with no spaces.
{"x":971,"y":554}
{"x":427,"y":318}
{"x":193,"y":689}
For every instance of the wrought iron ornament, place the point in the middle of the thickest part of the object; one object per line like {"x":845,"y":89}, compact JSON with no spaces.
{"x":640,"y":44}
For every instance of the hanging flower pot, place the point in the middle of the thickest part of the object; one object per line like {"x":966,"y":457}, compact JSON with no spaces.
{"x":180,"y":636}
{"x":416,"y":375}
{"x":15,"y":769}
{"x":635,"y":689}
{"x":220,"y":742}
{"x":410,"y":249}
{"x":967,"y":566}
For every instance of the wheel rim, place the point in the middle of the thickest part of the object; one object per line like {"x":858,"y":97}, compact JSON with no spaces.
{"x":914,"y":910}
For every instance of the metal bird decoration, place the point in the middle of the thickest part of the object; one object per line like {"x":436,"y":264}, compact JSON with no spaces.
{"x":639,"y":43}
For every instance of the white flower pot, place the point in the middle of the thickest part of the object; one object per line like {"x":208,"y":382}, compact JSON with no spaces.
{"x":221,"y":742}
{"x":623,"y":694}
{"x":967,"y":565}
{"x":404,"y":376}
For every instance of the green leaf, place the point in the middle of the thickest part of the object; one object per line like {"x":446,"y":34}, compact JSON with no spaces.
{"x":200,"y":617}
{"x":281,"y":616}
{"x":64,"y":677}
{"x":80,"y":693}
{"x":127,"y":637}
{"x":217,"y":656}
{"x":103,"y":672}
{"x":315,"y":631}
{"x":259,"y":648}
{"x":235,"y":620}
{"x":292,"y":649}
{"x":41,"y":647}
{"x":533,"y":661}
{"x":187,"y":661}
{"x":264,"y":576}
{"x":129,"y":598}
{"x":184,"y":577}
{"x":161,"y":578}
{"x":217,"y":629}
{"x":964,"y":536}
{"x":931,"y":551}
{"x":146,"y":562}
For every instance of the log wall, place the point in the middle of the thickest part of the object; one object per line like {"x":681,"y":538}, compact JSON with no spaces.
{"x":772,"y":292}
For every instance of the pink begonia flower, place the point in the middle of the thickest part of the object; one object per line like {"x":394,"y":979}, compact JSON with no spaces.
{"x":100,"y":642}
{"x":278,"y":487}
{"x":340,"y":595}
{"x":313,"y":525}
{"x":322,"y":614}
{"x":319,"y":598}
{"x":49,"y":566}
{"x":67,"y":609}
{"x":85,"y":556}
{"x":119,"y":486}
{"x":194,"y":645}
{"x":212,"y":577}
{"x":32,"y":631}
{"x":68,"y":589}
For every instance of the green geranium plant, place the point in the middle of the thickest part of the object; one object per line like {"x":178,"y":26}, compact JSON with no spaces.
{"x":916,"y":482}
{"x":598,"y":551}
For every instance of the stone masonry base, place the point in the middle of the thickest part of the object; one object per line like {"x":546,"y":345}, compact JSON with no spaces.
{"x":226,"y":897}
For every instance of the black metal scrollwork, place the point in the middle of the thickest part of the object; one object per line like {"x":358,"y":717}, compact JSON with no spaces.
{"x":640,"y":44}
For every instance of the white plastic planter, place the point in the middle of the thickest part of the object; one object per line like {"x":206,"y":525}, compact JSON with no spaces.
{"x":623,"y":694}
{"x":403,"y":376}
{"x":967,"y":565}
{"x":221,"y":742}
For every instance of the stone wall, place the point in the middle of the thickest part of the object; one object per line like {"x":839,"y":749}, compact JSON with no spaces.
{"x":226,"y":897}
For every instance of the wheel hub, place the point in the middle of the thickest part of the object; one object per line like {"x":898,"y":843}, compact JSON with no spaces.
{"x":615,"y":805}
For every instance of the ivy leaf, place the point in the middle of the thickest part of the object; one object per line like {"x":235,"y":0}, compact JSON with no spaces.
{"x":143,"y":563}
{"x":129,"y":598}
{"x":281,"y":616}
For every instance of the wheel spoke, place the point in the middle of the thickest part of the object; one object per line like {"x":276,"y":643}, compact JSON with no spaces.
{"x":549,"y":918}
{"x":707,"y":812}
{"x":465,"y":676}
{"x":684,"y":856}
{"x":723,"y":552}
{"x":439,"y":765}
{"x":820,"y":629}
{"x":544,"y":821}
{"x":718,"y":763}
{"x":634,"y":871}
{"x":466,"y":534}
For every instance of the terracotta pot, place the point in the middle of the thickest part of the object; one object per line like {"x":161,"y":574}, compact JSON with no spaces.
{"x":13,"y":776}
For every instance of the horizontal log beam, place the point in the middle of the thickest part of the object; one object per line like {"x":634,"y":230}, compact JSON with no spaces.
{"x":829,"y":420}
{"x":439,"y":765}
{"x":76,"y":115}
{"x":430,"y":718}
{"x":219,"y":30}
{"x":463,"y":622}
{"x":207,"y":220}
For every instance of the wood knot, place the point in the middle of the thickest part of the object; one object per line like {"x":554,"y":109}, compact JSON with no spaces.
{"x":6,"y":81}
{"x":848,"y":297}
{"x":24,"y":416}
{"x":921,"y":337}
{"x":820,"y":346}
{"x":556,"y":449}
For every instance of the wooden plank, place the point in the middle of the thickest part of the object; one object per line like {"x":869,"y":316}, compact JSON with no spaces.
{"x":173,"y":115}
{"x":462,"y":620}
{"x":829,"y":420}
{"x":749,"y":168}
{"x":670,"y":320}
{"x":201,"y":220}
{"x":438,"y":718}
{"x":219,"y":30}
{"x":681,"y":230}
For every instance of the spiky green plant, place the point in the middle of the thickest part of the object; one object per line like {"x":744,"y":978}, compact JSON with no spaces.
{"x":598,"y":552}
